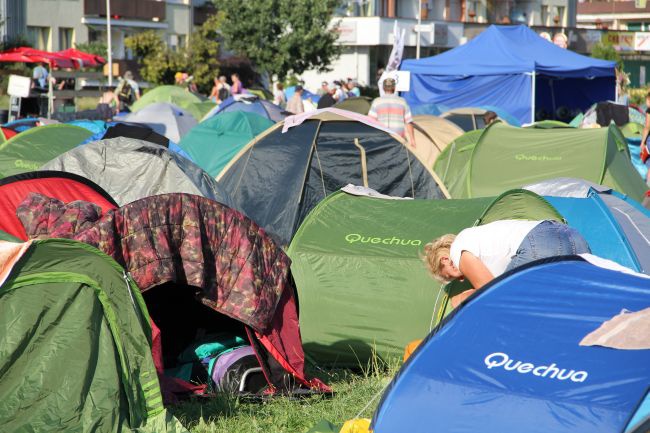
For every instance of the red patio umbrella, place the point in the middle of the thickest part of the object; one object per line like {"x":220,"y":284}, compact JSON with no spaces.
{"x":82,"y":58}
{"x":53,"y":59}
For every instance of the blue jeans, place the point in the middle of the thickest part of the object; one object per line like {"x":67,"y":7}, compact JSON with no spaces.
{"x":549,"y":239}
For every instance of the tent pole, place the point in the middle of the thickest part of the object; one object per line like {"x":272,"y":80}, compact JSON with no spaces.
{"x":532,"y":98}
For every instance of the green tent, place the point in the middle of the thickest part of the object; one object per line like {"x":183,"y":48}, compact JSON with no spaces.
{"x":76,"y":353}
{"x":215,"y":141}
{"x":176,"y":95}
{"x":504,"y":157}
{"x":356,"y":104}
{"x":362,"y":286}
{"x":632,"y":130}
{"x":30,"y":149}
{"x":200,"y":109}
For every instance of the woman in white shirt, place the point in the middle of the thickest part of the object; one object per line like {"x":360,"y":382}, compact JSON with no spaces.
{"x":482,"y":253}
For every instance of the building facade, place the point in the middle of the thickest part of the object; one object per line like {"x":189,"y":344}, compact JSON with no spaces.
{"x":366,"y":29}
{"x":55,"y":25}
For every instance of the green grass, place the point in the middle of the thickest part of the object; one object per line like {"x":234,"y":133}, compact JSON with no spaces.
{"x":353,"y":392}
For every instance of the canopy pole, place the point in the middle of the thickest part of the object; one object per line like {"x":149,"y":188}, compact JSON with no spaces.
{"x":109,"y":47}
{"x":50,"y":92}
{"x":532,"y":98}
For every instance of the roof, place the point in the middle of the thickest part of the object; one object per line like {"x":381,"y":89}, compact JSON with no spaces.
{"x":510,"y":50}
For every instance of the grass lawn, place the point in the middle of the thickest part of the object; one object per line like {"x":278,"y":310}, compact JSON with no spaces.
{"x":225,"y":414}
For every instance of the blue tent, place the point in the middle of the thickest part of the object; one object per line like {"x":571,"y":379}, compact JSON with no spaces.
{"x":503,"y":67}
{"x":250,"y":104}
{"x":509,"y":360}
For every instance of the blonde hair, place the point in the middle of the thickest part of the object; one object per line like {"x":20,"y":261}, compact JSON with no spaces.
{"x":434,"y":251}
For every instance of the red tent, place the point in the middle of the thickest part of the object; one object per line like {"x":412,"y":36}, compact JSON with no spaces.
{"x":82,"y":59}
{"x":63,"y":186}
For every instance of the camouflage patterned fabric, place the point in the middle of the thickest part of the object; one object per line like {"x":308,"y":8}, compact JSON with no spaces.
{"x":195,"y":241}
{"x":177,"y":237}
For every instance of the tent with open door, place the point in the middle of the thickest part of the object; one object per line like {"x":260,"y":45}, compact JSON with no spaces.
{"x":361,"y":283}
{"x":205,"y":270}
{"x":485,"y":163}
{"x":283,"y":173}
{"x":513,"y":68}
{"x":75,"y":353}
{"x":531,"y":352}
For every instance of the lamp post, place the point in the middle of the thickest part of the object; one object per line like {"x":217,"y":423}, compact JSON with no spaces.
{"x":417,"y":44}
{"x":109,"y":47}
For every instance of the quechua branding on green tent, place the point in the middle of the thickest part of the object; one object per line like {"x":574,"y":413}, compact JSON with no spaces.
{"x":503,"y":157}
{"x":31,"y":149}
{"x":361,"y":282}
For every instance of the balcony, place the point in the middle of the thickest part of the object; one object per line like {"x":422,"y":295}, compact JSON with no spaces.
{"x":145,"y":10}
{"x":611,"y":7}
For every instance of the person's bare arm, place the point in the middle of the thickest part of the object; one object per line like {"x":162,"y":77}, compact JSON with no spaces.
{"x":474,"y":270}
{"x":411,"y":133}
{"x":646,"y":130}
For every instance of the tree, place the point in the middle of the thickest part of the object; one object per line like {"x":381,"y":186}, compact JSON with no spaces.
{"x":160,"y":63}
{"x":606,"y":51}
{"x":282,"y":37}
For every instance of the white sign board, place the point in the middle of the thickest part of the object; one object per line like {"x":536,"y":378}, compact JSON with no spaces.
{"x":347,"y":32}
{"x":642,"y":41}
{"x":402,"y":80}
{"x":19,"y":86}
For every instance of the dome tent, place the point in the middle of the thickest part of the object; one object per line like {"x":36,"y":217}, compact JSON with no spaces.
{"x":58,"y":184}
{"x":130,"y":169}
{"x":528,"y":155}
{"x":164,"y":118}
{"x":280,"y":176}
{"x":79,"y":312}
{"x":357,"y":265}
{"x":170,"y":94}
{"x":30,"y":149}
{"x":249,"y":104}
{"x":201,"y":266}
{"x":516,"y":362}
{"x":432,"y":135}
{"x":215,"y":141}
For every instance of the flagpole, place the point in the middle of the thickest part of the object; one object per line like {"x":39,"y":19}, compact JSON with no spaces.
{"x":109,"y":47}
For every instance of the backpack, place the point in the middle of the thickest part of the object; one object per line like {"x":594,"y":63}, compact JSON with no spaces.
{"x":126,"y":93}
{"x":223,"y":93}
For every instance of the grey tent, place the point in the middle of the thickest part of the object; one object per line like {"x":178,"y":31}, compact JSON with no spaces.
{"x":130,"y":169}
{"x":164,"y":118}
{"x":280,"y":176}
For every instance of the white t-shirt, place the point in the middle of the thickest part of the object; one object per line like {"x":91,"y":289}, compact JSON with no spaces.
{"x":494,"y":244}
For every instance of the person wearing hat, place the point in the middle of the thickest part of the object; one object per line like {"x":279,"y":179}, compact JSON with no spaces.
{"x":328,"y":100}
{"x":295,"y":103}
{"x":393,"y":112}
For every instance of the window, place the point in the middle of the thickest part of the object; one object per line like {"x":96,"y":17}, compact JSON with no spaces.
{"x":39,"y":37}
{"x":66,"y":38}
{"x":544,"y":15}
{"x":559,"y":19}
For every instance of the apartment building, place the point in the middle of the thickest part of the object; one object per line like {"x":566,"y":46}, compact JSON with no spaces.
{"x":59,"y":24}
{"x":366,"y":28}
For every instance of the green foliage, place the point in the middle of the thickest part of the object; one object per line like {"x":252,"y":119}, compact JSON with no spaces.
{"x":606,"y":51}
{"x":97,"y":48}
{"x":281,"y":37}
{"x":160,"y":63}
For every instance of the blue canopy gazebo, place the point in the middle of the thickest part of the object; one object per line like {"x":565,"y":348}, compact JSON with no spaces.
{"x":513,"y":68}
